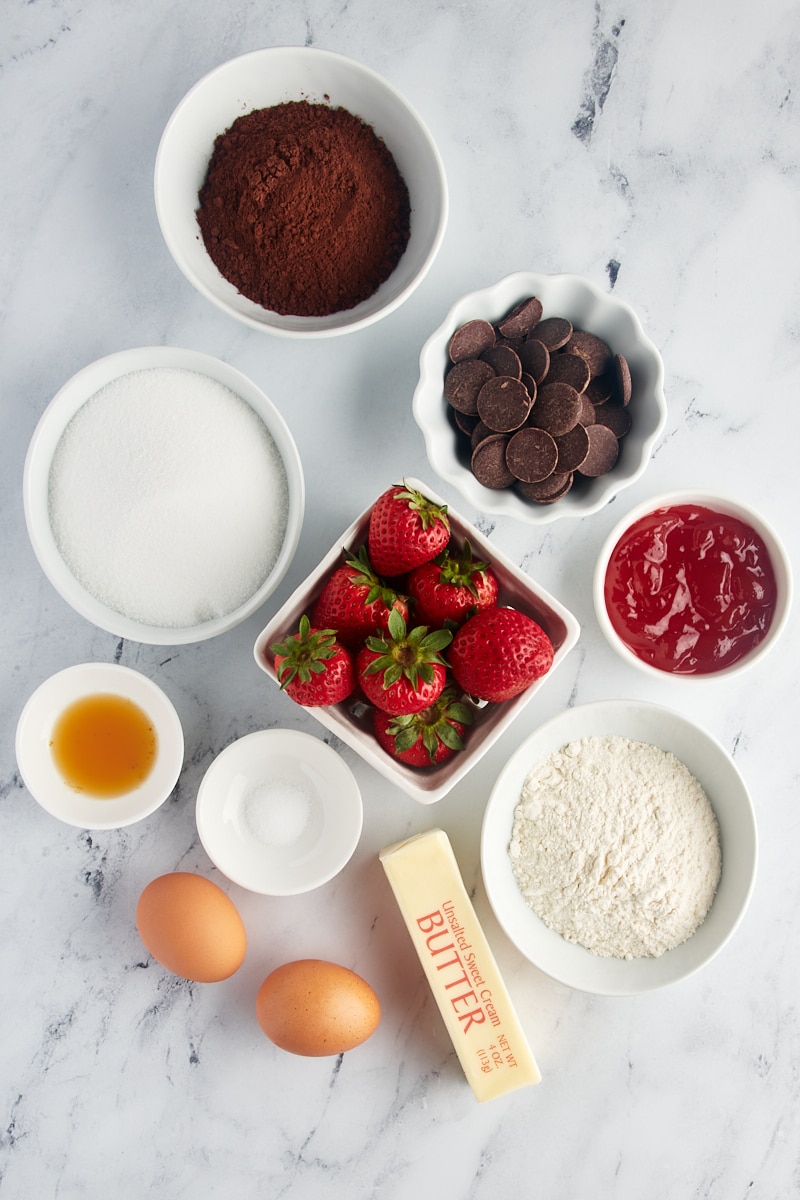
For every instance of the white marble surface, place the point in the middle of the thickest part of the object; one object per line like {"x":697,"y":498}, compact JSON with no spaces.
{"x":653,"y":147}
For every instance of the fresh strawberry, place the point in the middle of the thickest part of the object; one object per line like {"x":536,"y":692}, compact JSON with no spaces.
{"x":356,"y":602}
{"x":312,"y":667}
{"x":405,"y":530}
{"x":451,"y":587}
{"x":425,"y":738}
{"x":403,"y":671}
{"x":498,"y":653}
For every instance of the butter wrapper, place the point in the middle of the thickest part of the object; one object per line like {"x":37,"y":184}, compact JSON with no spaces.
{"x":459,"y":965}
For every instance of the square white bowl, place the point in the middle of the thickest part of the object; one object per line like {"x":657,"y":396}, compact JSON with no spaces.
{"x":276,"y":75}
{"x":352,"y":720}
{"x":588,"y":308}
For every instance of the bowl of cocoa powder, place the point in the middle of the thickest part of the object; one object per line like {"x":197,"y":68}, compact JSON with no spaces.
{"x":299,"y":192}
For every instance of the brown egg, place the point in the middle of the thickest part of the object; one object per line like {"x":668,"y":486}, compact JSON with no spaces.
{"x":313,"y":1008}
{"x":191,"y":927}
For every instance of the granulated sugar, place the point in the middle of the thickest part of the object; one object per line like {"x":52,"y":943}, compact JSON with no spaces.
{"x":616,"y":847}
{"x":168,"y":497}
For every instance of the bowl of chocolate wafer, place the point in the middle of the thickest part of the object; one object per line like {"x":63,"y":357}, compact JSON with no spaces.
{"x":540,"y":397}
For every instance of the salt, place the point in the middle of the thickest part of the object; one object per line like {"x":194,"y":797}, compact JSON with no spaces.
{"x":168,"y":497}
{"x":277,"y":813}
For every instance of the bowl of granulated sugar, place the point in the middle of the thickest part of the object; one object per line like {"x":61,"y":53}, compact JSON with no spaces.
{"x":163,"y":495}
{"x":619,"y":847}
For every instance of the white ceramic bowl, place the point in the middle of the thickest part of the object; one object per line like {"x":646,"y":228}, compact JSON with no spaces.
{"x":727,"y":507}
{"x":36,"y":487}
{"x":264,"y":78}
{"x":35,"y":758}
{"x":567,"y":962}
{"x":588,"y":308}
{"x":279,"y":812}
{"x":352,"y":720}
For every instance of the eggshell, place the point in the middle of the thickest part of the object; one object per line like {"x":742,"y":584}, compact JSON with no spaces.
{"x":312,"y":1007}
{"x":191,"y":927}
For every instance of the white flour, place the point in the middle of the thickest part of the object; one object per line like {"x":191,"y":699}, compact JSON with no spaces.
{"x":616,"y":847}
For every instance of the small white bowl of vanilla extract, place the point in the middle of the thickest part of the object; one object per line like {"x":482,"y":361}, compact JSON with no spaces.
{"x":99,"y":746}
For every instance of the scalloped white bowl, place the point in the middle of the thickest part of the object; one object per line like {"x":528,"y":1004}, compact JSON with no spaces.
{"x":275,"y":75}
{"x":567,"y":962}
{"x":588,"y":308}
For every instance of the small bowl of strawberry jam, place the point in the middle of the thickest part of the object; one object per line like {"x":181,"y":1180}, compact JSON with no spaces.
{"x":693,"y":585}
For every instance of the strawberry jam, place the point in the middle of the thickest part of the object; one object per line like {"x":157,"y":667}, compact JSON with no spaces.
{"x":690,"y":590}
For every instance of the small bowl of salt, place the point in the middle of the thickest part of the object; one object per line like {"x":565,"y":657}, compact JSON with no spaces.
{"x":279,"y":812}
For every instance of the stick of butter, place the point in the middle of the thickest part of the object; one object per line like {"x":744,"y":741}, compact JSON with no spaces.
{"x":459,"y":965}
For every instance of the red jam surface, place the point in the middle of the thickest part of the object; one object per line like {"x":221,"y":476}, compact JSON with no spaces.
{"x":690,"y":590}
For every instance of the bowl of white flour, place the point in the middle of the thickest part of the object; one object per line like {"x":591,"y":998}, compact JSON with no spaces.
{"x":163,"y":494}
{"x":619,"y":848}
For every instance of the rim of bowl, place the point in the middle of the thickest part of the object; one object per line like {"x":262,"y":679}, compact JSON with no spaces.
{"x":284,"y":325}
{"x":717,"y":501}
{"x":39,"y":773}
{"x":500,"y":882}
{"x":429,"y":400}
{"x":36,"y":472}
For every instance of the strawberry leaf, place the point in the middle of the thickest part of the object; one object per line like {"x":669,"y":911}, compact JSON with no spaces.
{"x":304,"y":653}
{"x":433,"y":642}
{"x":428,"y":512}
{"x":448,"y":734}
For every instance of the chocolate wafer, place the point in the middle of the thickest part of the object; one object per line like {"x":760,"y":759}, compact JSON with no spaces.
{"x":624,"y":382}
{"x":548,"y":490}
{"x":603,"y":452}
{"x":535,"y":358}
{"x":471,"y":340}
{"x":489,"y":462}
{"x":615,"y":417}
{"x":601,"y":388}
{"x":572,"y":449}
{"x":503,"y":361}
{"x":556,"y":409}
{"x":569,"y":368}
{"x":504,"y":403}
{"x":522,"y":318}
{"x":463,"y":382}
{"x":554,"y":332}
{"x":531,"y":455}
{"x":593,"y":349}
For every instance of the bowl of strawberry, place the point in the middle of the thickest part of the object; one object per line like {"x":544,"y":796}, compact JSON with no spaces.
{"x":416,"y":641}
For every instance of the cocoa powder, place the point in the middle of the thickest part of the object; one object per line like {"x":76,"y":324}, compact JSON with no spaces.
{"x":303,"y":208}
